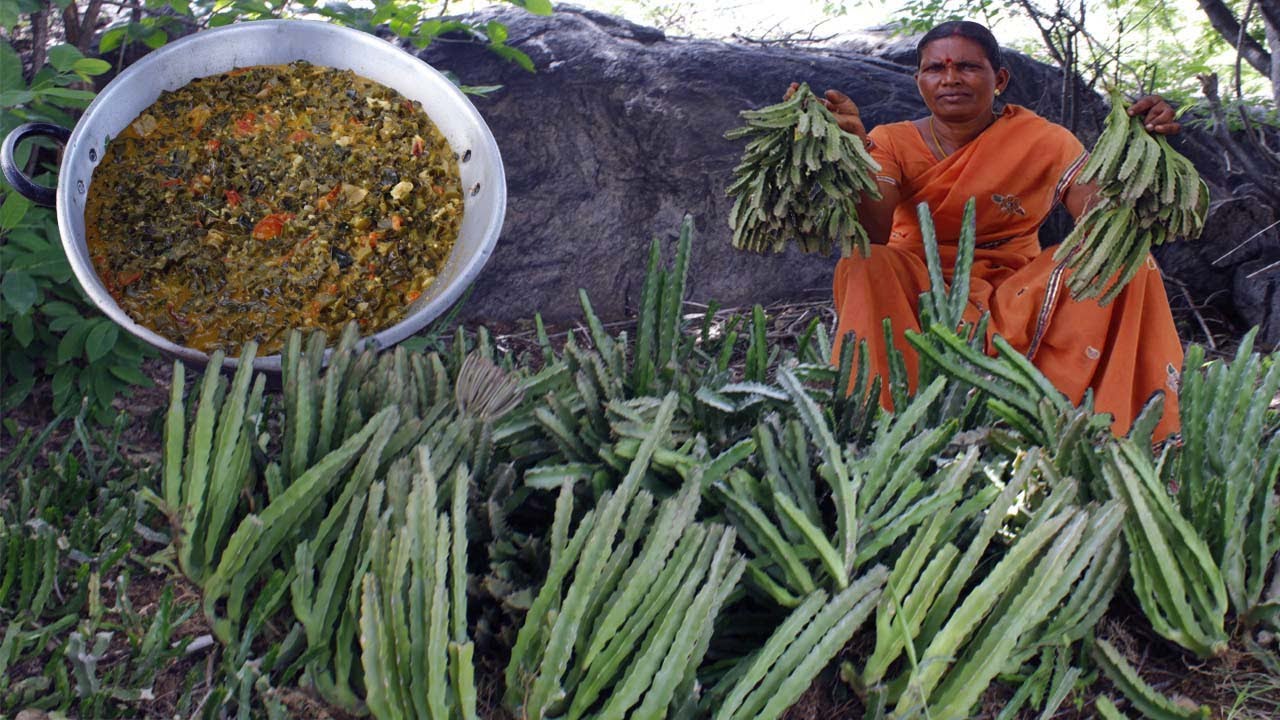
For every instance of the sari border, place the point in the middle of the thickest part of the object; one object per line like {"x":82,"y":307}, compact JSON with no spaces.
{"x":1051,"y":294}
{"x":1070,"y":174}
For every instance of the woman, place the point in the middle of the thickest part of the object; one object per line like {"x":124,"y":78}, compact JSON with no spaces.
{"x":1018,"y":166}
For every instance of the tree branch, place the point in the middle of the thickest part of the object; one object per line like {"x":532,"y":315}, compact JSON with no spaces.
{"x":88,"y":24}
{"x":1225,"y":22}
{"x":1250,"y":163}
{"x":39,"y":38}
{"x":1270,"y":10}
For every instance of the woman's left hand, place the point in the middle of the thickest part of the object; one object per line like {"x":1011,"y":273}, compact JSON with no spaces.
{"x":1159,"y":115}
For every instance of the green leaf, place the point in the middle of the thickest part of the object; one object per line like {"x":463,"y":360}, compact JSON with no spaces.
{"x":14,"y":98}
{"x":50,"y":262}
{"x":156,"y":38}
{"x":90,"y":66}
{"x":13,"y":210}
{"x":507,"y":52}
{"x":28,"y":239}
{"x":479,"y":90}
{"x":63,"y":57}
{"x":105,"y":387}
{"x":23,"y":331}
{"x":63,"y":93}
{"x":19,"y":290}
{"x":10,"y":63}
{"x":496,"y":31}
{"x":62,"y":384}
{"x":8,"y":15}
{"x":131,"y":375}
{"x":222,"y":18}
{"x":72,"y":344}
{"x":16,"y":392}
{"x":59,"y":309}
{"x":537,"y":7}
{"x":112,"y":39}
{"x":100,"y":340}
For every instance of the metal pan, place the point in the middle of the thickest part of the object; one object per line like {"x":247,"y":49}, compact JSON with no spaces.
{"x":272,"y":42}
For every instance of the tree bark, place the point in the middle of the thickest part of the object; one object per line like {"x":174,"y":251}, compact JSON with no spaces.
{"x":39,"y":38}
{"x":1273,"y":42}
{"x":1271,"y":15}
{"x":1251,"y":162}
{"x":79,"y":28}
{"x":1225,"y":22}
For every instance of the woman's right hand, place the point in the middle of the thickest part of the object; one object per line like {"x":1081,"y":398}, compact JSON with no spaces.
{"x":846,"y":112}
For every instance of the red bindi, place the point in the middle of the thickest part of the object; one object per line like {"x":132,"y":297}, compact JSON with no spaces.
{"x":948,"y":61}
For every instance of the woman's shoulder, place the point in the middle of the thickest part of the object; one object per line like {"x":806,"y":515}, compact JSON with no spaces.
{"x":893,"y":129}
{"x":1027,"y":120}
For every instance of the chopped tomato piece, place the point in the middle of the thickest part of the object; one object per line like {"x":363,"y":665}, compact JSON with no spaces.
{"x":298,"y":136}
{"x":397,"y":222}
{"x":246,"y":124}
{"x":412,"y":295}
{"x":125,"y":278}
{"x":233,"y":198}
{"x":327,"y":200}
{"x":171,"y":182}
{"x":213,"y":145}
{"x":271,"y":226}
{"x":373,"y":239}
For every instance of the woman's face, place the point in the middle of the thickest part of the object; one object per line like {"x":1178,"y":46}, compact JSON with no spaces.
{"x":956,"y":79}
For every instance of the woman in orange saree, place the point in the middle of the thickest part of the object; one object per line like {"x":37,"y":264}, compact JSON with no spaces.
{"x":1018,"y":166}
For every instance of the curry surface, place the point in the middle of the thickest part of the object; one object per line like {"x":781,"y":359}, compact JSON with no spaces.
{"x":273,"y":197}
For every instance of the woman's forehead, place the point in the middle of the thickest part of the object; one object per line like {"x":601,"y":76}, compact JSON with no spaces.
{"x":955,"y":48}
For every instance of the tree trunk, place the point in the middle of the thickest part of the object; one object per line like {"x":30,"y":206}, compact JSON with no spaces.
{"x":1273,"y":42}
{"x":1225,"y":22}
{"x":39,"y":38}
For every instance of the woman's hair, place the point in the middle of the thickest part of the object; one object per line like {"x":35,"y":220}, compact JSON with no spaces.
{"x":968,"y":30}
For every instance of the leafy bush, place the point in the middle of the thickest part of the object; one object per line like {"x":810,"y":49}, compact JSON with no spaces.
{"x":48,"y":328}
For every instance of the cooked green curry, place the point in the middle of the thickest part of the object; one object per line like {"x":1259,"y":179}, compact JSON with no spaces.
{"x":273,"y":197}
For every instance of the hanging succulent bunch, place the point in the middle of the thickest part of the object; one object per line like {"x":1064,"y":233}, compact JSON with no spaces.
{"x":1150,"y":194}
{"x":800,"y":178}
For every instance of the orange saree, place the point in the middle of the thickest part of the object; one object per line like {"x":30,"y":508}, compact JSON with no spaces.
{"x":1018,"y":169}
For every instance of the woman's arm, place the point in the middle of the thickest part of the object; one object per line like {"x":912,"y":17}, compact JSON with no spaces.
{"x":1159,"y":120}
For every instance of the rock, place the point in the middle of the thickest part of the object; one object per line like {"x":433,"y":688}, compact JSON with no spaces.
{"x":1257,"y":296}
{"x":619,"y":134}
{"x":1240,"y":239}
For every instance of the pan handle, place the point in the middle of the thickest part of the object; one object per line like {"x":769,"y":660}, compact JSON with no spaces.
{"x":37,"y":194}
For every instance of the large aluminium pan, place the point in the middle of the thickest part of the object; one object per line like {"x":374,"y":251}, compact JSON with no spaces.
{"x":271,"y":42}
